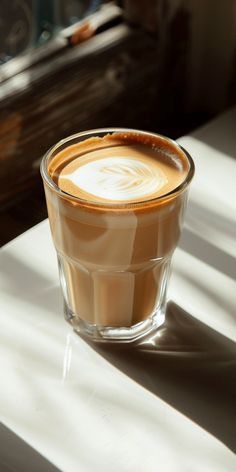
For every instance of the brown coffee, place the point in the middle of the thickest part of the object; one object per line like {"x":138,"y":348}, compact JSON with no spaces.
{"x":116,"y":223}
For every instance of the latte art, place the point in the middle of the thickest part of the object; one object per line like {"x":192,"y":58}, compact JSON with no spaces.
{"x":118,"y":173}
{"x":117,"y":178}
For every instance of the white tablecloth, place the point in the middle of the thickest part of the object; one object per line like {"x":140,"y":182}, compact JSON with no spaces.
{"x":167,"y":405}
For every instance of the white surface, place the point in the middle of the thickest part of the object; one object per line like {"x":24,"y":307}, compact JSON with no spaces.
{"x":87,"y":411}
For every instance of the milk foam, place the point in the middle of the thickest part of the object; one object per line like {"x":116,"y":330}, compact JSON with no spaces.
{"x":117,"y":178}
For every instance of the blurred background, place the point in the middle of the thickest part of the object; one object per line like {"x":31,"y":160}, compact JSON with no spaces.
{"x":70,"y":65}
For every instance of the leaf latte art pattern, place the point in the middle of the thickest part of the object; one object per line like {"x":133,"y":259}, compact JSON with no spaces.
{"x":118,"y":178}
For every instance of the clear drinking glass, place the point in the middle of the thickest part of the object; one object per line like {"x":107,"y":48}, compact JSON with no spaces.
{"x":114,"y":258}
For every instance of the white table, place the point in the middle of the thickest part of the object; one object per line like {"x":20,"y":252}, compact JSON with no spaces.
{"x":168,"y":404}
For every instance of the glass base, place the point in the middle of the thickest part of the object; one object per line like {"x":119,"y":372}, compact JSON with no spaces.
{"x":101,"y":333}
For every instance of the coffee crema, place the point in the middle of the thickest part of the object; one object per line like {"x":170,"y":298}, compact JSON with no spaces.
{"x":119,"y":171}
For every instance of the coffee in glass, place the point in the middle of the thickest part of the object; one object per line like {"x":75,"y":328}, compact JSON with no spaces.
{"x":116,"y":200}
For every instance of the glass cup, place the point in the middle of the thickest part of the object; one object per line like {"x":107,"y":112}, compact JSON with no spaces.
{"x":114,"y":258}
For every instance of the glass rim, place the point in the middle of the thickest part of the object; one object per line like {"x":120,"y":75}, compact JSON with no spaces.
{"x":114,"y":205}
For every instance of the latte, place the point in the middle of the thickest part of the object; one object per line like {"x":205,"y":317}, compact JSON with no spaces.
{"x":116,"y":203}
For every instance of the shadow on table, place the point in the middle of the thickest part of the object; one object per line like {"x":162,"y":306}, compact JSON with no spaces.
{"x":188,"y":365}
{"x":200,"y":244}
{"x":17,"y":456}
{"x":220,"y":133}
{"x":24,"y":282}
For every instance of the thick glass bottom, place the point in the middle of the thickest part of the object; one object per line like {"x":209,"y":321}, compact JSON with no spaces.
{"x":101,"y":333}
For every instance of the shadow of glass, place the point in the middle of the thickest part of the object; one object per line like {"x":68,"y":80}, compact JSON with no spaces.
{"x":188,"y":365}
{"x":17,"y":455}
